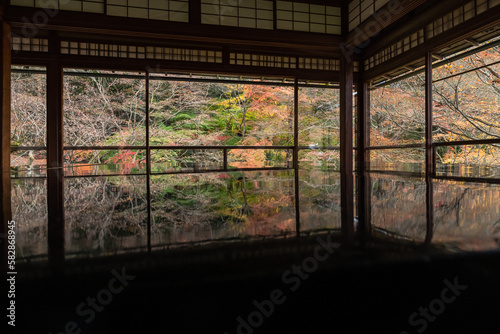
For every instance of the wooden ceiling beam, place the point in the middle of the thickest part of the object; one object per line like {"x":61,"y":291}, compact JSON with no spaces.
{"x":334,"y":3}
{"x":123,"y":64}
{"x":410,"y":23}
{"x":383,"y":18}
{"x":131,"y":28}
{"x":456,"y":34}
{"x":472,"y":42}
{"x":261,"y":49}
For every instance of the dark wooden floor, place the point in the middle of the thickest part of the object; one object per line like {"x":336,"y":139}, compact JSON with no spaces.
{"x":372,"y":287}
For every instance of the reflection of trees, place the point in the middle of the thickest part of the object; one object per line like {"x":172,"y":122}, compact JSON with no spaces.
{"x":319,"y":199}
{"x":208,"y":206}
{"x":29,"y":210}
{"x":398,"y":205}
{"x":110,"y":213}
{"x":245,"y":209}
{"x":466,"y":210}
{"x":460,"y":210}
{"x":103,"y":210}
{"x":454,"y":206}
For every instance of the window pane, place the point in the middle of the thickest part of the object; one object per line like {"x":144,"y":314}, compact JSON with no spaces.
{"x":319,"y":199}
{"x":204,"y":207}
{"x":260,"y":158}
{"x":319,"y":117}
{"x":186,"y":160}
{"x":398,"y":113}
{"x":28,"y":163}
{"x":102,"y":111}
{"x":105,"y":215}
{"x":29,"y":211}
{"x":466,"y":105}
{"x":199,"y":113}
{"x":29,"y":110}
{"x":405,"y":160}
{"x":466,"y":214}
{"x":102,"y":162}
{"x":319,"y":159}
{"x":398,"y":206}
{"x":468,"y":161}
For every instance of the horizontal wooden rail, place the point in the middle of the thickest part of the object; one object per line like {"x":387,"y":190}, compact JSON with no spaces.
{"x":468,"y":179}
{"x":468,"y":142}
{"x":313,"y":147}
{"x":212,"y":147}
{"x":166,"y":77}
{"x":28,"y":148}
{"x":398,"y":173}
{"x":391,"y":147}
{"x":178,"y":147}
{"x":183,"y":147}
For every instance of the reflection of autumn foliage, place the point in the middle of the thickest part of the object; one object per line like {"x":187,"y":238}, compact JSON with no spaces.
{"x":124,"y":157}
{"x":467,"y":214}
{"x":472,"y":155}
{"x":105,"y":214}
{"x":29,"y":211}
{"x":464,"y":213}
{"x":208,"y":206}
{"x":398,"y":205}
{"x":320,"y":158}
{"x":109,"y":214}
{"x":319,"y":199}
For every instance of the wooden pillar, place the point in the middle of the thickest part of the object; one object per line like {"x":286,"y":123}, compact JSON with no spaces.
{"x":429,"y":159}
{"x":148,"y":160}
{"x":195,"y":11}
{"x":5,"y":191}
{"x":429,"y":152}
{"x":296,"y":154}
{"x":363,"y":158}
{"x":346,"y":145}
{"x":55,"y":172}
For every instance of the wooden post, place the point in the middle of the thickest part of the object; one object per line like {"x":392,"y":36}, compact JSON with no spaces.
{"x":429,"y":152}
{"x":363,"y":158}
{"x":195,"y":11}
{"x":5,"y":185}
{"x":296,"y":154}
{"x":148,"y":160}
{"x":55,"y":172}
{"x":346,"y":146}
